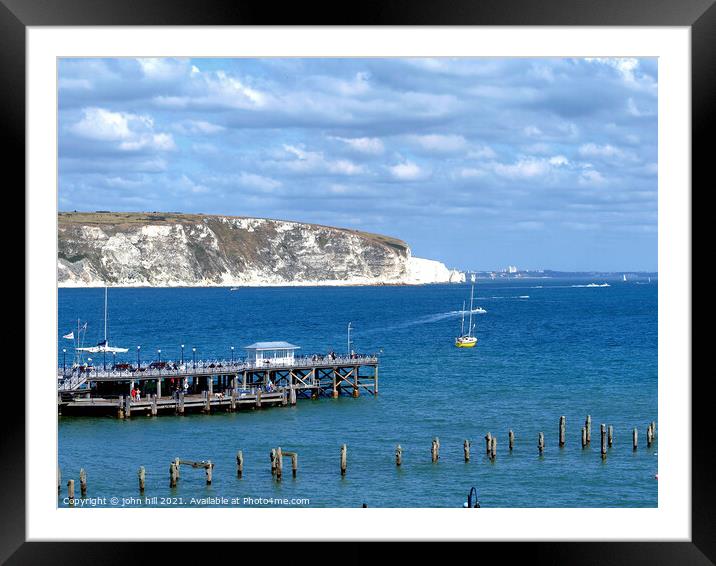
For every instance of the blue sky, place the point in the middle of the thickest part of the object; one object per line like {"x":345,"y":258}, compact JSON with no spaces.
{"x":477,"y":162}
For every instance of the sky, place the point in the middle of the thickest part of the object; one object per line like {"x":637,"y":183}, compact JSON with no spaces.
{"x":477,"y":162}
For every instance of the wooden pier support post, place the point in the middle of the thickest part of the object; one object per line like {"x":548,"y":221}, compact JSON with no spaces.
{"x":610,"y":436}
{"x":398,"y":455}
{"x":344,"y":459}
{"x":177,"y":467}
{"x":653,"y":430}
{"x":635,"y":439}
{"x":294,"y":464}
{"x":120,"y":408}
{"x":71,"y":491}
{"x":233,"y":399}
{"x":180,"y":403}
{"x":83,"y":482}
{"x":562,"y":430}
{"x":258,"y":397}
{"x":173,"y":475}
{"x":512,"y":439}
{"x":603,"y":433}
{"x":648,"y":436}
{"x":239,"y":464}
{"x":292,"y":397}
{"x":273,"y":461}
{"x":584,"y":437}
{"x":127,"y":407}
{"x":141,"y":474}
{"x":334,"y":392}
{"x":279,"y":464}
{"x":154,"y":405}
{"x":493,"y":448}
{"x":466,"y":449}
{"x":159,"y":387}
{"x":435,"y":449}
{"x":540,"y":443}
{"x":488,"y":443}
{"x":209,"y":471}
{"x":588,"y":426}
{"x":207,"y":401}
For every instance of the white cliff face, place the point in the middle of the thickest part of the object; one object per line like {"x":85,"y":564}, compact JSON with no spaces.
{"x":170,"y":250}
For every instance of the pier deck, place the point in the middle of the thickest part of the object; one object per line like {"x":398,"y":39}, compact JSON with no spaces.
{"x":212,"y":386}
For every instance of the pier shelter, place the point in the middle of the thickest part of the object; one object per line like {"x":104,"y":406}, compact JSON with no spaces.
{"x":271,"y":353}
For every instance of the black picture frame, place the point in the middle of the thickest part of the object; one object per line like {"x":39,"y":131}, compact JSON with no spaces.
{"x":699,"y":15}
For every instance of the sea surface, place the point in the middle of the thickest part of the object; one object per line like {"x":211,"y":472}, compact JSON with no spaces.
{"x":547,"y":347}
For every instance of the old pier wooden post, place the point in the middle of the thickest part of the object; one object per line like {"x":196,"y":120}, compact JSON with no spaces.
{"x":154,"y":405}
{"x":71,"y":491}
{"x":584,"y":437}
{"x":344,"y":459}
{"x":279,"y":464}
{"x":435,"y":450}
{"x":239,"y":463}
{"x":511,"y":436}
{"x":273,"y":461}
{"x":610,"y":436}
{"x":141,"y":474}
{"x":180,"y":403}
{"x":488,"y":443}
{"x":649,"y":436}
{"x":120,"y":408}
{"x":540,"y":443}
{"x":588,"y":426}
{"x":466,"y":449}
{"x":177,"y":467}
{"x":83,"y":482}
{"x":635,"y":439}
{"x":173,"y":475}
{"x":493,"y":448}
{"x":209,"y":470}
{"x":603,"y":433}
{"x":398,"y":455}
{"x":294,"y":464}
{"x":562,"y":430}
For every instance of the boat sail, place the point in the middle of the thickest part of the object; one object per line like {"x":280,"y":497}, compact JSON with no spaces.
{"x":467,"y":340}
{"x":103,"y":346}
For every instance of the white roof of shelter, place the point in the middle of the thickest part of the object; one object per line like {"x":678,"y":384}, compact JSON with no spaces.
{"x":271,"y":346}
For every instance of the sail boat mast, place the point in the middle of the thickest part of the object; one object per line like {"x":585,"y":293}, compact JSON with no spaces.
{"x":472,"y":289}
{"x":105,"y":314}
{"x":462,"y":324}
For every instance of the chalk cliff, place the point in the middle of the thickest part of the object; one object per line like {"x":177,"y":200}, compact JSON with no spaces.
{"x":193,"y":250}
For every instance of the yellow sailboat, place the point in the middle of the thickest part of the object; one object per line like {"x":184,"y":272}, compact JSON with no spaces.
{"x":467,"y":340}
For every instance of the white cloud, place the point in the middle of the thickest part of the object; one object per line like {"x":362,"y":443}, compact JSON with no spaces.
{"x":532,"y":131}
{"x":559,"y":160}
{"x":439,"y":143}
{"x":162,"y":68}
{"x":591,"y":177}
{"x":371,"y":146}
{"x":258,"y":181}
{"x":200,"y":127}
{"x":523,"y":169}
{"x":315,"y":161}
{"x":481,"y":152}
{"x":606,"y":151}
{"x":131,"y":131}
{"x":408,"y":171}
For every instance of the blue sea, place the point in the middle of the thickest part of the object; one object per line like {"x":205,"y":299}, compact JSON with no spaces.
{"x":547,"y":347}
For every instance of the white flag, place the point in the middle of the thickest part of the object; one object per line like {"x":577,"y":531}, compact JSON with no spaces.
{"x":70,"y":336}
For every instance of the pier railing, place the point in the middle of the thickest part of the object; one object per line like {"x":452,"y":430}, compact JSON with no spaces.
{"x":70,"y":377}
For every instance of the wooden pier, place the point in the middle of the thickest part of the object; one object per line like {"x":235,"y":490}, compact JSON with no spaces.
{"x":206,"y":387}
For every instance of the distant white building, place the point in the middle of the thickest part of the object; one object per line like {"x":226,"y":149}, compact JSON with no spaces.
{"x":512,"y":269}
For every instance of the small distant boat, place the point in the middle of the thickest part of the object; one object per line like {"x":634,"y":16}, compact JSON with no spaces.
{"x":234,"y":289}
{"x":624,"y":277}
{"x":467,"y":340}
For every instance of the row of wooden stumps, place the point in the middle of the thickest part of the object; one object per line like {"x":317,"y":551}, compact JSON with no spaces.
{"x":277,"y":454}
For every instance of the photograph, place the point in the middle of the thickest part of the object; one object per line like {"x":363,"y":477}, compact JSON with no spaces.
{"x":349,"y":282}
